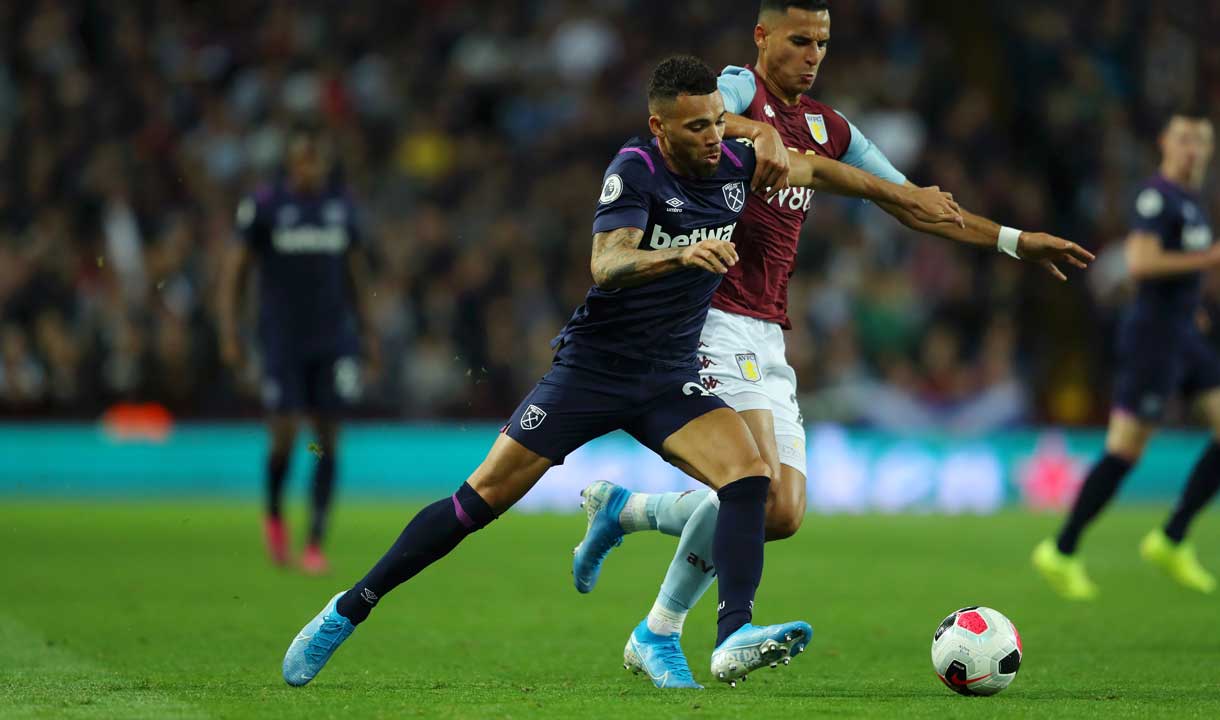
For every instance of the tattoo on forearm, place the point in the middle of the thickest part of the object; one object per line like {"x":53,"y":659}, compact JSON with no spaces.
{"x":613,"y":263}
{"x":620,"y":272}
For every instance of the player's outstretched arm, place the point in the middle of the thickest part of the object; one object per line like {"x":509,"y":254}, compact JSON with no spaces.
{"x":232,"y":280}
{"x":772,"y":158}
{"x":618,"y":262}
{"x":1041,"y":248}
{"x":929,"y":205}
{"x":1147,"y":258}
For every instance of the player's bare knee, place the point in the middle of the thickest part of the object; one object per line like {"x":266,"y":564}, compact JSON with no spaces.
{"x":750,"y":467}
{"x":500,"y":486}
{"x":492,"y":494}
{"x":783,"y":520}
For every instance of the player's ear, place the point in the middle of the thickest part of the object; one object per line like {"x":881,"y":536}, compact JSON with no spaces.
{"x":656,"y":126}
{"x":760,"y":36}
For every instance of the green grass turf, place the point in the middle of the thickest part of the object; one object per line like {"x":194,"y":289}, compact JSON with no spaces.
{"x":170,"y":611}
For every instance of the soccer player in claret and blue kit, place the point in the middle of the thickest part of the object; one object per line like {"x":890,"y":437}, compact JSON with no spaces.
{"x":302,"y":234}
{"x":1161,"y":351}
{"x":663,"y":236}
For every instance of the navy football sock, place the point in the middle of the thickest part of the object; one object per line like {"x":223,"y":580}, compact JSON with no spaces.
{"x":1099,"y":487}
{"x":738,"y":549}
{"x":429,"y":536}
{"x":277,"y":471}
{"x":323,"y":490}
{"x":1200,"y":489}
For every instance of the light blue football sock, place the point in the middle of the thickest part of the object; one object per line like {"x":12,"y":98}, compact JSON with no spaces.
{"x":690,"y":573}
{"x":674,"y":510}
{"x":667,"y":512}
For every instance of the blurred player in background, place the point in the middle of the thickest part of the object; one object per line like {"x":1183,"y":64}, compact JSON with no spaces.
{"x":742,"y":352}
{"x":1161,"y":350}
{"x":662,"y":240}
{"x":302,"y":234}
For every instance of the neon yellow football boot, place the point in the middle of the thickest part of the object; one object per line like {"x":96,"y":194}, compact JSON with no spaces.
{"x":1177,"y":561}
{"x":1064,"y":573}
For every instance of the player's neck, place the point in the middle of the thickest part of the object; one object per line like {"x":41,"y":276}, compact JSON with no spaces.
{"x":774,"y":89}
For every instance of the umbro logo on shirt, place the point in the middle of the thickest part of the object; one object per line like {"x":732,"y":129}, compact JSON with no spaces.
{"x":675,"y":205}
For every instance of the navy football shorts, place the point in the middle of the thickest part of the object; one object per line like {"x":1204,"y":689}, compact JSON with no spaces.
{"x":1154,"y":364}
{"x":326,"y":383}
{"x":586,"y":395}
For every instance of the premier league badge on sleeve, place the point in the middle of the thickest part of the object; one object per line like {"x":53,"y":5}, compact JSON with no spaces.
{"x":735,"y":196}
{"x":817,"y":127}
{"x":612,"y":188}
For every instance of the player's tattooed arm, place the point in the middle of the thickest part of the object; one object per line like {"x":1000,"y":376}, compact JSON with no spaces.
{"x":1040,"y":248}
{"x":929,"y":205}
{"x":232,"y":280}
{"x":771,"y":168}
{"x":618,"y":262}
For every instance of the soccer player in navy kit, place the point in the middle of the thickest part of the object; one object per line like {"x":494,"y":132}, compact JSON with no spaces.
{"x":742,"y":348}
{"x":301,"y":233}
{"x":1160,"y":351}
{"x":627,"y":360}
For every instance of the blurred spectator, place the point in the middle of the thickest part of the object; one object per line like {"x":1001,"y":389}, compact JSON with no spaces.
{"x":22,"y":379}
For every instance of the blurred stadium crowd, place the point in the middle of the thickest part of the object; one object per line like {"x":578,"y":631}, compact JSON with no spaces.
{"x":474,"y":136}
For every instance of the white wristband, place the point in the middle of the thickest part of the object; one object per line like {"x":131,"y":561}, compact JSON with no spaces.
{"x":1007,"y":244}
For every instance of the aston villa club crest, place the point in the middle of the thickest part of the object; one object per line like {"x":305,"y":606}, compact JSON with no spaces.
{"x":532,"y":417}
{"x":817,"y":127}
{"x":748,"y":364}
{"x":735,"y":196}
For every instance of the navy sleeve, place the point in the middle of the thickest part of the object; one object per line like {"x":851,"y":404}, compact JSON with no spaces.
{"x":1151,"y":213}
{"x":626,"y":192}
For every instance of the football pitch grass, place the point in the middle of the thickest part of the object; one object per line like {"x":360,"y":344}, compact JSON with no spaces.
{"x":170,"y":610}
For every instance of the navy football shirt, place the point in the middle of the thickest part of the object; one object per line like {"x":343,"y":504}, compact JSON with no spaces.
{"x":1177,"y":216}
{"x":660,"y":321}
{"x":301,"y":244}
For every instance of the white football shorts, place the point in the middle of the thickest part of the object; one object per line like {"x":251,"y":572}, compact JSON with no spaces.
{"x":742,"y":361}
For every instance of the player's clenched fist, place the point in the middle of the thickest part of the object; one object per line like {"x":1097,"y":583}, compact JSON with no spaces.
{"x":772,"y":161}
{"x":712,"y":255}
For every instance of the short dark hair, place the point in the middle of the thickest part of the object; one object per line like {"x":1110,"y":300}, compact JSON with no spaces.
{"x":680,"y":75}
{"x":781,"y":6}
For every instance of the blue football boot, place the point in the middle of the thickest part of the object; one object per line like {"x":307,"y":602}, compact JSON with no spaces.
{"x":317,"y":641}
{"x":602,"y":502}
{"x":753,"y":646}
{"x":660,"y":656}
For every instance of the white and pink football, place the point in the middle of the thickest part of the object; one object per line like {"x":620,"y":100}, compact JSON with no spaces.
{"x":976,"y":651}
